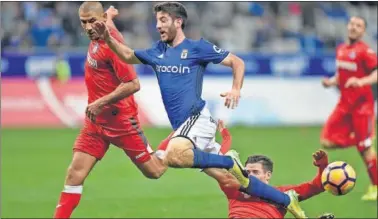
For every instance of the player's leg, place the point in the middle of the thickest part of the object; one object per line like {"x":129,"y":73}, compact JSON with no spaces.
{"x":224,"y":178}
{"x":256,"y":187}
{"x":337,"y":130}
{"x":132,"y":140}
{"x":183,"y":151}
{"x":89,"y":147}
{"x":363,"y":125}
{"x":193,"y":146}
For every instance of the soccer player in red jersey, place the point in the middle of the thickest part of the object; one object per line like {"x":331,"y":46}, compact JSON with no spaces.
{"x":112,"y":114}
{"x":242,"y":205}
{"x":352,"y":122}
{"x":112,"y":118}
{"x":245,"y":206}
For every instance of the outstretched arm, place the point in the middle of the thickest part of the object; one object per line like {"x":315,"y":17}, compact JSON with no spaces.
{"x":210,"y":53}
{"x":226,"y":137}
{"x":309,"y":189}
{"x":238,"y":68}
{"x":111,"y":13}
{"x":125,"y":53}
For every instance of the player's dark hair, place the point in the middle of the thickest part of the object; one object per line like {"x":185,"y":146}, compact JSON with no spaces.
{"x":174,"y":9}
{"x":362,"y":18}
{"x":264,"y":160}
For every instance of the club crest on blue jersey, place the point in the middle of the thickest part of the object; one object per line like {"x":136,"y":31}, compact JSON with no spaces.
{"x":184,"y":54}
{"x":352,"y":55}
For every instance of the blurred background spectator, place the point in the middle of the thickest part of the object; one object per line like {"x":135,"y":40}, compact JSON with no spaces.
{"x":238,"y":26}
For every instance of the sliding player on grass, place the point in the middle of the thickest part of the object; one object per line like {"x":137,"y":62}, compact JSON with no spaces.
{"x":242,"y":205}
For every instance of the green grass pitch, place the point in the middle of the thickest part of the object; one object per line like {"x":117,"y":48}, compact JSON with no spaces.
{"x":34,"y":162}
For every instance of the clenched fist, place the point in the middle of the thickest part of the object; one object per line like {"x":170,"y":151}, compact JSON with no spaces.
{"x":320,"y":158}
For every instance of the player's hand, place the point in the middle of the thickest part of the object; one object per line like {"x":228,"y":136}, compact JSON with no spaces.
{"x":93,"y":109}
{"x":232,"y":98}
{"x":101,"y":29}
{"x":320,"y":158}
{"x":221,"y":125}
{"x":326,"y":216}
{"x":354,"y":82}
{"x":326,"y":82}
{"x":112,"y":12}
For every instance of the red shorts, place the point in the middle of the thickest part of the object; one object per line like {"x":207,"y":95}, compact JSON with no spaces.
{"x":344,"y":122}
{"x":95,"y":139}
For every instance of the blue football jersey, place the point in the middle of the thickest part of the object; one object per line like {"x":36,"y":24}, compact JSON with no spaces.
{"x":179,"y":71}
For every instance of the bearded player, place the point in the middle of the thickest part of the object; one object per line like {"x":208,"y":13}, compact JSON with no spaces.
{"x":242,"y":205}
{"x":112,"y":118}
{"x":111,"y":114}
{"x":179,"y":64}
{"x":352,"y":122}
{"x":260,"y":168}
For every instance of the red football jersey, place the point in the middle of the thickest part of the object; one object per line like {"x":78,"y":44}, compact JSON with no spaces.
{"x":244,"y":206}
{"x":355,"y":60}
{"x":104,"y":72}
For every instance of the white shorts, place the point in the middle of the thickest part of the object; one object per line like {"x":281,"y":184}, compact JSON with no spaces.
{"x":200,"y":129}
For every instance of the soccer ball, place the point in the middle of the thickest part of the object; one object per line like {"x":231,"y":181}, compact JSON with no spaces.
{"x":338,"y":178}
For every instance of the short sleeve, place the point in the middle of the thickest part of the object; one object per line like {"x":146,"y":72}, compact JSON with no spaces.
{"x":148,"y":56}
{"x":370,"y":59}
{"x":210,"y":53}
{"x":125,"y":72}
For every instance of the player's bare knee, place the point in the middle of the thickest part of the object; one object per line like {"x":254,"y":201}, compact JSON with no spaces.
{"x":179,"y":153}
{"x":75,"y":175}
{"x":152,"y":175}
{"x":177,"y":157}
{"x":172,"y":158}
{"x":153,"y":169}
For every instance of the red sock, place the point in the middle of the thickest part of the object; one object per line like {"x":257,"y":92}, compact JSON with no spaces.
{"x":372,"y":170}
{"x":226,"y":141}
{"x":69,"y":199}
{"x":164,"y":144}
{"x":160,"y":151}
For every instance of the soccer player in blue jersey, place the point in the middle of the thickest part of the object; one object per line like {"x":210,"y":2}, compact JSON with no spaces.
{"x":179,"y":64}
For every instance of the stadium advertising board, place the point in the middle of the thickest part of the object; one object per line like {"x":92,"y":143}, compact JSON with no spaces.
{"x":265,"y":101}
{"x":288,"y":65}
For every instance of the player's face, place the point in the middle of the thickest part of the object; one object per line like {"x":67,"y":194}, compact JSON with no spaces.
{"x":257,"y":170}
{"x":356,"y":28}
{"x":166,"y":26}
{"x":87,"y":19}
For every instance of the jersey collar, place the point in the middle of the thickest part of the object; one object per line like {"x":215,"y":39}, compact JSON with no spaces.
{"x":168,"y":46}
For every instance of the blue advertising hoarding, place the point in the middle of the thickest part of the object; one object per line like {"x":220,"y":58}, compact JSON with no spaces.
{"x":17,"y":64}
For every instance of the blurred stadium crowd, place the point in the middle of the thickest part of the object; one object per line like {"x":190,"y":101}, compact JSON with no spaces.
{"x":238,"y":26}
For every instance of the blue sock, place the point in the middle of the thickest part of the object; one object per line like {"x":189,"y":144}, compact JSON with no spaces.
{"x":204,"y":160}
{"x":265,"y":191}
